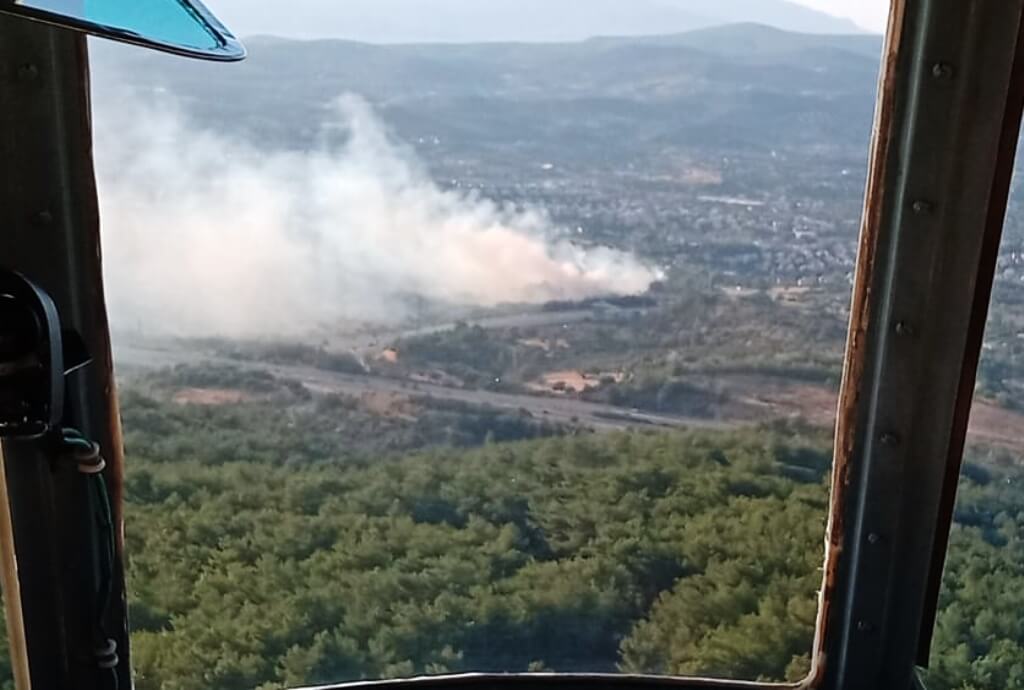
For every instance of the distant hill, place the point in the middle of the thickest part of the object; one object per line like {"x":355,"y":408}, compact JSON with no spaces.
{"x":754,"y":41}
{"x":737,"y":87}
{"x":462,"y":21}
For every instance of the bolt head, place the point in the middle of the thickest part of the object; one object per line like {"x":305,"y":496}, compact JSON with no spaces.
{"x":27,"y":71}
{"x":921,"y":207}
{"x":890,"y":439}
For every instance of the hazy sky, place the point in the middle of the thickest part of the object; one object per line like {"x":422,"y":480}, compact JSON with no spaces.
{"x":396,"y":21}
{"x":870,"y":14}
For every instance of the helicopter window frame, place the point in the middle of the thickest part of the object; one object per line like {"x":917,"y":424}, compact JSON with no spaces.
{"x":947,"y":67}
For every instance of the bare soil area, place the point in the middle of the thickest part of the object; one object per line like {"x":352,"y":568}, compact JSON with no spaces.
{"x":211,"y":396}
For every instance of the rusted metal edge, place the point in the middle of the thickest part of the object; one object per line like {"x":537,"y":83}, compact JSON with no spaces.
{"x":102,"y":399}
{"x":855,"y":362}
{"x":97,"y":391}
{"x":930,"y":199}
{"x":992,"y":237}
{"x":13,"y":614}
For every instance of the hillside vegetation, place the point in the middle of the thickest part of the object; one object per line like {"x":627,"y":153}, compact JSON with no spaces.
{"x":681,"y":553}
{"x":574,"y":554}
{"x":672,"y":553}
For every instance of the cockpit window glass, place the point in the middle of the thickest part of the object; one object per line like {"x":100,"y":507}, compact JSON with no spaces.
{"x":979,"y":640}
{"x":496,"y":339}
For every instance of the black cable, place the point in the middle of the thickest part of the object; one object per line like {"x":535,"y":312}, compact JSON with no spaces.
{"x":90,"y":463}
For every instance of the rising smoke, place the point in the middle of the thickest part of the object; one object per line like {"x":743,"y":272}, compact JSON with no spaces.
{"x":209,"y":235}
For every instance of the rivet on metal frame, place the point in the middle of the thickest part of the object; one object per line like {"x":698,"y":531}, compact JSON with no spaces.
{"x":903,"y":328}
{"x":943,"y":70}
{"x":890,"y":439}
{"x":27,"y":71}
{"x":865,"y":627}
{"x":922,"y":207}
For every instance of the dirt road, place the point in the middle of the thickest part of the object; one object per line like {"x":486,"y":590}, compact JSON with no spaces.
{"x":560,"y":410}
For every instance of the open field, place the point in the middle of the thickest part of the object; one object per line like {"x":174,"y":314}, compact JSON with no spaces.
{"x":747,"y":400}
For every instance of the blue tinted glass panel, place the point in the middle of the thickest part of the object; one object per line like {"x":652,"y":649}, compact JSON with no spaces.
{"x":178,"y":25}
{"x":168,"y":21}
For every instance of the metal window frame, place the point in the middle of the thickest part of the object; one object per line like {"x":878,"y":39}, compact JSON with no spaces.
{"x":949,"y":112}
{"x":50,"y":231}
{"x":948,"y":122}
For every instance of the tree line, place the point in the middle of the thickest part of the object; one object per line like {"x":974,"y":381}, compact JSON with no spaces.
{"x":257,"y":559}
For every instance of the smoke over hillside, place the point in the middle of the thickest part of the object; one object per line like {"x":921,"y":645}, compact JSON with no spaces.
{"x":206,"y":235}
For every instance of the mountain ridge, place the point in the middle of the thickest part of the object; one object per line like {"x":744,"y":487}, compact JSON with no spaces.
{"x":754,"y":35}
{"x":740,"y":87}
{"x":468,"y":21}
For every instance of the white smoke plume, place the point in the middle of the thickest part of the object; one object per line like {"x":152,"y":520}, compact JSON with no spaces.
{"x":209,"y":235}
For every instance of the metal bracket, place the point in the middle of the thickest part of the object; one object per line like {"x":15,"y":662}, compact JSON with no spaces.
{"x":35,"y":356}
